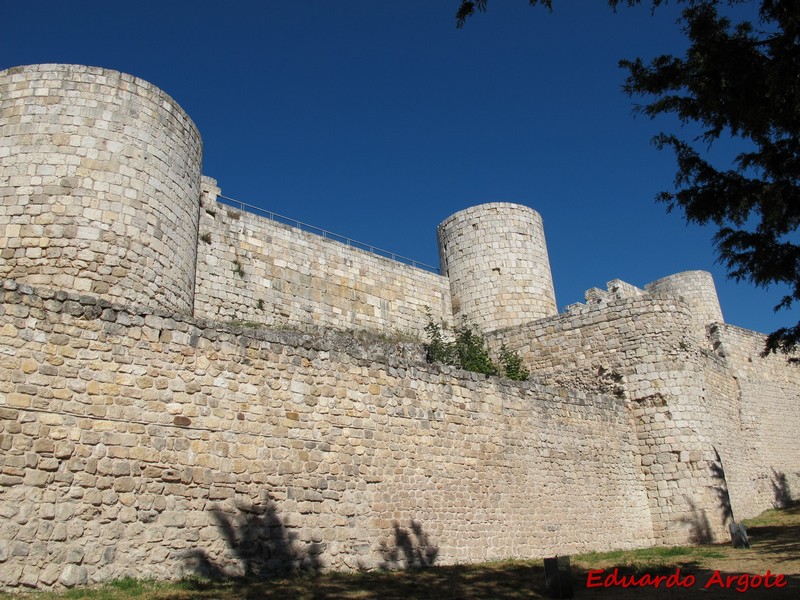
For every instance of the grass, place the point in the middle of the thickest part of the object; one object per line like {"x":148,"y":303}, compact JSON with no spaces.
{"x":774,"y":535}
{"x":648,"y":559}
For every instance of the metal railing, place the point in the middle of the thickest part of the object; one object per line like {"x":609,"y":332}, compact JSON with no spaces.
{"x":232,"y":202}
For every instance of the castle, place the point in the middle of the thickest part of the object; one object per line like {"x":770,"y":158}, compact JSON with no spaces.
{"x":188,"y":387}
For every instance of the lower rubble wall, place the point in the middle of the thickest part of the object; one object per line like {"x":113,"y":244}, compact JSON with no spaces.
{"x":151,"y":445}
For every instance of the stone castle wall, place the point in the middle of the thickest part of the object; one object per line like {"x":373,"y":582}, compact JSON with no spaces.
{"x":713,"y":417}
{"x":147,"y":443}
{"x":641,"y":349}
{"x":143,"y":444}
{"x":252,"y":269}
{"x":767,"y":405}
{"x":698,"y":290}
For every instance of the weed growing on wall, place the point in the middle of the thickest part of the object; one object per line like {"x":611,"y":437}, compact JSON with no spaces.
{"x":511,"y":364}
{"x":468,"y":351}
{"x":439,"y":350}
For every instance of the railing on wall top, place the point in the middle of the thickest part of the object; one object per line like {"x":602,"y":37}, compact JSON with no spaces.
{"x":324,"y":233}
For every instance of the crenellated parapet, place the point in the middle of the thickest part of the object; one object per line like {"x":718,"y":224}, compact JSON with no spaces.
{"x":698,"y":290}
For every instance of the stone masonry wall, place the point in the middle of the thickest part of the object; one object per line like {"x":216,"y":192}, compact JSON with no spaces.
{"x":645,"y":350}
{"x":495,"y":258}
{"x":145,"y":444}
{"x":716,"y":427}
{"x":768,"y":404}
{"x":99,"y":185}
{"x":698,"y":290}
{"x":252,"y":269}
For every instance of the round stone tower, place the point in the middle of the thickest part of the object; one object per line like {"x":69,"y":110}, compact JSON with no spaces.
{"x":698,"y":290}
{"x":100,"y":185}
{"x":495,"y":257}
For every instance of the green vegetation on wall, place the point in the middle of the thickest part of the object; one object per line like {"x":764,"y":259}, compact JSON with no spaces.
{"x":468,"y":351}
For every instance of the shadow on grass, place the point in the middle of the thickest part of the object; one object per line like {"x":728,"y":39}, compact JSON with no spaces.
{"x":498,"y":581}
{"x":494,"y":581}
{"x":780,"y":543}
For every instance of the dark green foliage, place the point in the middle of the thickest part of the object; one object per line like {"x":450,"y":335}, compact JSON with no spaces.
{"x":471,"y":352}
{"x":512,"y":366}
{"x":468,"y":8}
{"x":739,"y":81}
{"x":439,"y":351}
{"x":468,"y":351}
{"x":237,"y":268}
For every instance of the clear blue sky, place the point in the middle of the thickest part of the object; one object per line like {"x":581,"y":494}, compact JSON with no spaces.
{"x":378,"y":119}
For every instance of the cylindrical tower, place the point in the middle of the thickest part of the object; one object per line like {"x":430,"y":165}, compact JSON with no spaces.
{"x":697,"y":289}
{"x":495,"y":257}
{"x":100,"y":185}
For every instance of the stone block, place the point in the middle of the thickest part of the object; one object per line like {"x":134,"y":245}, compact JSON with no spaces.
{"x":73,"y":575}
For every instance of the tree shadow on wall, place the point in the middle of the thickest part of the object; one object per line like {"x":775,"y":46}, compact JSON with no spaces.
{"x":780,"y":490}
{"x":721,"y":488}
{"x":408,"y":548}
{"x":259,"y":546}
{"x":699,"y":526}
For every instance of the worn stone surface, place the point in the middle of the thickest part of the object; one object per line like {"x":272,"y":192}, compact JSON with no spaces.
{"x":698,"y":290}
{"x":99,"y":185}
{"x":253,"y":269}
{"x":495,"y":258}
{"x":713,"y":417}
{"x":313,"y":446}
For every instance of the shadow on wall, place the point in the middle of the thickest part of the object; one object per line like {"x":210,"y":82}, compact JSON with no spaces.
{"x":699,"y":525}
{"x":408,"y":548}
{"x":700,"y":530}
{"x":780,"y":490}
{"x":259,"y":546}
{"x":721,"y":489}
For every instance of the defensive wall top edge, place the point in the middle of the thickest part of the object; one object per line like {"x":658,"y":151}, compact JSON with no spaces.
{"x":362,"y":349}
{"x":700,"y":273}
{"x":308,"y":231}
{"x":56,"y":69}
{"x":487,"y":207}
